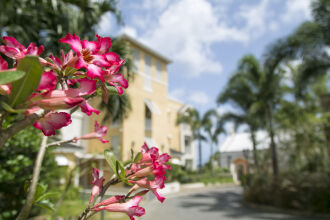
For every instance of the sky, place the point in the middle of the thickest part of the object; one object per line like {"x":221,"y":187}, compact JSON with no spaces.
{"x":206,"y":38}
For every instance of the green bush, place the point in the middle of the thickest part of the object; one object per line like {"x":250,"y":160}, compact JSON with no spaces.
{"x":17,"y":160}
{"x":302,"y":191}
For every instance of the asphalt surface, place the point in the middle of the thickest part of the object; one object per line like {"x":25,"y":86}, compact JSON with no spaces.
{"x":217,"y":203}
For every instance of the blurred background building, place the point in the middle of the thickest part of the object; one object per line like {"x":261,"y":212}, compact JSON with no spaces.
{"x":152,"y":120}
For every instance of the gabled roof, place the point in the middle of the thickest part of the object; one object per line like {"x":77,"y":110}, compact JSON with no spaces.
{"x":146,"y":48}
{"x":237,"y":142}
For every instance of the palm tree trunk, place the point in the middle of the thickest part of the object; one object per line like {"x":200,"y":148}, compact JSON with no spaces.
{"x":199,"y":152}
{"x":272,"y":141}
{"x":211,"y":157}
{"x":255,"y":153}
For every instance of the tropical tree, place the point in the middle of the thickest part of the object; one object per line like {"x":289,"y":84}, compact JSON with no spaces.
{"x":309,"y":44}
{"x":255,"y":93}
{"x":210,"y":118}
{"x":44,"y":22}
{"x":196,"y":123}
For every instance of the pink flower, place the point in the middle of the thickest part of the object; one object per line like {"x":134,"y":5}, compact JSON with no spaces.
{"x":3,"y":64}
{"x":98,"y":184}
{"x":58,"y":103}
{"x":131,"y":208}
{"x":65,"y":99}
{"x":53,"y":121}
{"x":66,"y":60}
{"x":99,"y":132}
{"x":15,"y":50}
{"x":48,"y":81}
{"x":88,"y":53}
{"x":153,"y":186}
{"x":111,"y":200}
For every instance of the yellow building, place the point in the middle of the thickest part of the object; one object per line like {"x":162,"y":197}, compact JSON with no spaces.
{"x":151,"y":120}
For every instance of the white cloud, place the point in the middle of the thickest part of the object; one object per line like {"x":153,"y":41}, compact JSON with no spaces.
{"x":199,"y":97}
{"x":177,"y":93}
{"x":255,"y":18}
{"x":186,"y":31}
{"x":106,"y":24}
{"x":297,"y":9}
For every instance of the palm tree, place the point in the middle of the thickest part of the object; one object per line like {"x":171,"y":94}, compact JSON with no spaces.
{"x":255,"y":93}
{"x":212,"y":131}
{"x":309,"y":44}
{"x":196,"y":123}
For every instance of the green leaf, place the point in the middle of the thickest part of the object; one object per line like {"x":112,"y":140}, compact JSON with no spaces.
{"x":41,"y":189}
{"x":22,"y":88}
{"x":111,"y":159}
{"x":45,"y":204}
{"x":46,"y":196}
{"x":10,"y":76}
{"x":132,"y":155}
{"x":138,"y":157}
{"x":120,"y":170}
{"x":112,"y":90}
{"x":8,"y":108}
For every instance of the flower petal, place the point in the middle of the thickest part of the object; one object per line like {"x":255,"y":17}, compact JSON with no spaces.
{"x":90,"y":45}
{"x":74,"y":41}
{"x":94,"y":71}
{"x":48,"y":81}
{"x":88,"y":109}
{"x":3,"y":64}
{"x":86,"y":87}
{"x":104,"y":44}
{"x":52,"y":122}
{"x":12,"y":42}
{"x":11,"y":52}
{"x":99,"y":59}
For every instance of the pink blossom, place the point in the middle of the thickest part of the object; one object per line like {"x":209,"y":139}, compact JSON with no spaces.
{"x":131,"y":208}
{"x":99,"y":132}
{"x":153,"y":186}
{"x":48,"y":81}
{"x":3,"y":64}
{"x":53,"y":121}
{"x":15,"y":50}
{"x":58,"y":103}
{"x":98,"y":184}
{"x":111,"y":200}
{"x":66,"y":60}
{"x":88,"y":55}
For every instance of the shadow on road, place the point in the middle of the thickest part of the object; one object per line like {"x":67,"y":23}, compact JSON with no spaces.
{"x":229,"y":203}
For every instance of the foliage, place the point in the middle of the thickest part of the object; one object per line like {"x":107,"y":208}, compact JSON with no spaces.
{"x":180,"y":174}
{"x":46,"y":21}
{"x":305,"y":191}
{"x":17,"y":157}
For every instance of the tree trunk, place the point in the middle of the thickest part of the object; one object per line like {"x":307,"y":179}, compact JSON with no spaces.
{"x":200,"y":153}
{"x":272,"y":142}
{"x":255,"y":153}
{"x":211,"y":157}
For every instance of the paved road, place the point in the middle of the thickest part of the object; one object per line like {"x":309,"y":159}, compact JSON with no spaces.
{"x":223,"y":203}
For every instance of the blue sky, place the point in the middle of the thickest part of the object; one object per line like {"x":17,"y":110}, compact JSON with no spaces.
{"x":206,"y":38}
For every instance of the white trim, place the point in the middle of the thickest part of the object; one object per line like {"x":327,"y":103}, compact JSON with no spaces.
{"x":152,"y":106}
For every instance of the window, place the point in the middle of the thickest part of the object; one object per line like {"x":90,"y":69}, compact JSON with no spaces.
{"x":115,"y":123}
{"x":159,"y":74}
{"x":75,"y":129}
{"x":148,"y":73}
{"x":136,"y":59}
{"x":228,"y":161}
{"x":147,"y":118}
{"x":115,"y":145}
{"x":187,"y":144}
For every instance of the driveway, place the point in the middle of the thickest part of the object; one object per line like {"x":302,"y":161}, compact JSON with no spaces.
{"x":216,"y":203}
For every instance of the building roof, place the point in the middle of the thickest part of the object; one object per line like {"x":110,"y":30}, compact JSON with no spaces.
{"x":146,"y":48}
{"x":238,"y":142}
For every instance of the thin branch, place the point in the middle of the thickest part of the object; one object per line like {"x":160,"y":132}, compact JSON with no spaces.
{"x":59,"y":143}
{"x":25,"y":211}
